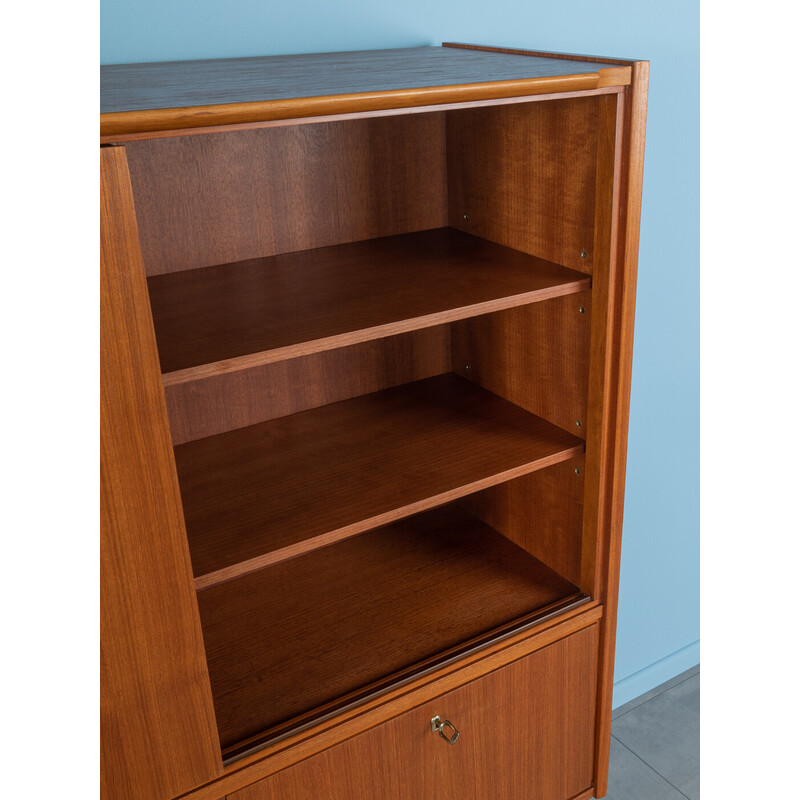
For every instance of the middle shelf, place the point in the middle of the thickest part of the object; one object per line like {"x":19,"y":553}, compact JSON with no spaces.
{"x":232,"y":316}
{"x":268,"y":492}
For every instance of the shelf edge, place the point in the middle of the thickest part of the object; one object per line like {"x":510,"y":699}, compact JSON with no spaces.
{"x":263,"y":357}
{"x":332,"y":537}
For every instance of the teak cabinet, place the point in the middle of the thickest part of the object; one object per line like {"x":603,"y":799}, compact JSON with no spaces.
{"x":366,"y":337}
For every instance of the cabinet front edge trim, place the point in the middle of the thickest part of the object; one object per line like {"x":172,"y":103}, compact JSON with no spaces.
{"x":162,"y":119}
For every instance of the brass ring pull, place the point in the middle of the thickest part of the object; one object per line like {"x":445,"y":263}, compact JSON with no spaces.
{"x":437,"y":726}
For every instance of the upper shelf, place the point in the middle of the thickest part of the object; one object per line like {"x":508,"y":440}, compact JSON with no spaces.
{"x":219,"y":319}
{"x":136,"y":98}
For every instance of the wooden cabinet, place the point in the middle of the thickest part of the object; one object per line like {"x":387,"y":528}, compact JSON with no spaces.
{"x":366,"y":337}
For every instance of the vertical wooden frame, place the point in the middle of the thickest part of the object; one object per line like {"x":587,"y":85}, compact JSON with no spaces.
{"x":617,"y":213}
{"x":601,"y":357}
{"x":158,"y":731}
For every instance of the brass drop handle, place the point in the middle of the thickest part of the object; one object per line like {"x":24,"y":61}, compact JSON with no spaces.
{"x":437,"y":726}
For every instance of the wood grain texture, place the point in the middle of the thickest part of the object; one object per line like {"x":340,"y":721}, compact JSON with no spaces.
{"x":179,"y":95}
{"x":539,"y":745}
{"x":536,"y":356}
{"x":259,"y":495}
{"x":227,"y":197}
{"x":158,"y":733}
{"x":221,"y":318}
{"x":627,"y":253}
{"x":310,"y":632}
{"x":365,"y":715}
{"x":541,"y":512}
{"x":524,"y":177}
{"x":237,"y":399}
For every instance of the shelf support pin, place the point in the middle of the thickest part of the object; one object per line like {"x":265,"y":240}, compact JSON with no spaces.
{"x":578,"y":423}
{"x":583,"y":254}
{"x":582,"y":310}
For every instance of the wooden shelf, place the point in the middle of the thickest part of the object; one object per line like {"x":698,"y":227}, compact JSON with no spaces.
{"x":233,"y":316}
{"x":268,"y":492}
{"x":296,"y":640}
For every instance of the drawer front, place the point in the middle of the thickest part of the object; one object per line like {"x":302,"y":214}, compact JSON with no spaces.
{"x":525,"y":731}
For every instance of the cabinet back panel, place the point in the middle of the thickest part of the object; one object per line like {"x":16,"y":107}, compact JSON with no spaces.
{"x":536,"y":356}
{"x":232,"y":196}
{"x":524,"y":175}
{"x":246,"y":397}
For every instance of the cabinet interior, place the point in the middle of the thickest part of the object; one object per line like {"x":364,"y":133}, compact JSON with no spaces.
{"x":374,"y":335}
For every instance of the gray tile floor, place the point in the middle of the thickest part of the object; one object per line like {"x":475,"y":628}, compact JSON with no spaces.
{"x":655,"y":743}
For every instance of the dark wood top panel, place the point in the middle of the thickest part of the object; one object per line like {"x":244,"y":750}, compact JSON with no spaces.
{"x":180,"y":95}
{"x":268,"y":492}
{"x":314,"y":630}
{"x":262,"y":310}
{"x":181,"y":84}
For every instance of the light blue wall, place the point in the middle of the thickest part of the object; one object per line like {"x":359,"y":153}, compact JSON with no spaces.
{"x":658,"y":632}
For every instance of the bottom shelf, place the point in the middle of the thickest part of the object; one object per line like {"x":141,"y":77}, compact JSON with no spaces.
{"x":303,"y":638}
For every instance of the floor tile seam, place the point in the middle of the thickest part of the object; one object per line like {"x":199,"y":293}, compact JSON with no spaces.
{"x":651,"y":767}
{"x":645,"y":702}
{"x":688,"y":674}
{"x":640,"y":704}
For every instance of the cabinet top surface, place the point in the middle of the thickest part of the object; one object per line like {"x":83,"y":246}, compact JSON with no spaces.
{"x":139,"y":87}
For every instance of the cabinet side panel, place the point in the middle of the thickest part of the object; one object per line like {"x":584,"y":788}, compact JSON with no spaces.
{"x":236,"y":195}
{"x":523,"y":175}
{"x":631,"y":122}
{"x":535,"y":356}
{"x":541,"y":512}
{"x":158,"y":732}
